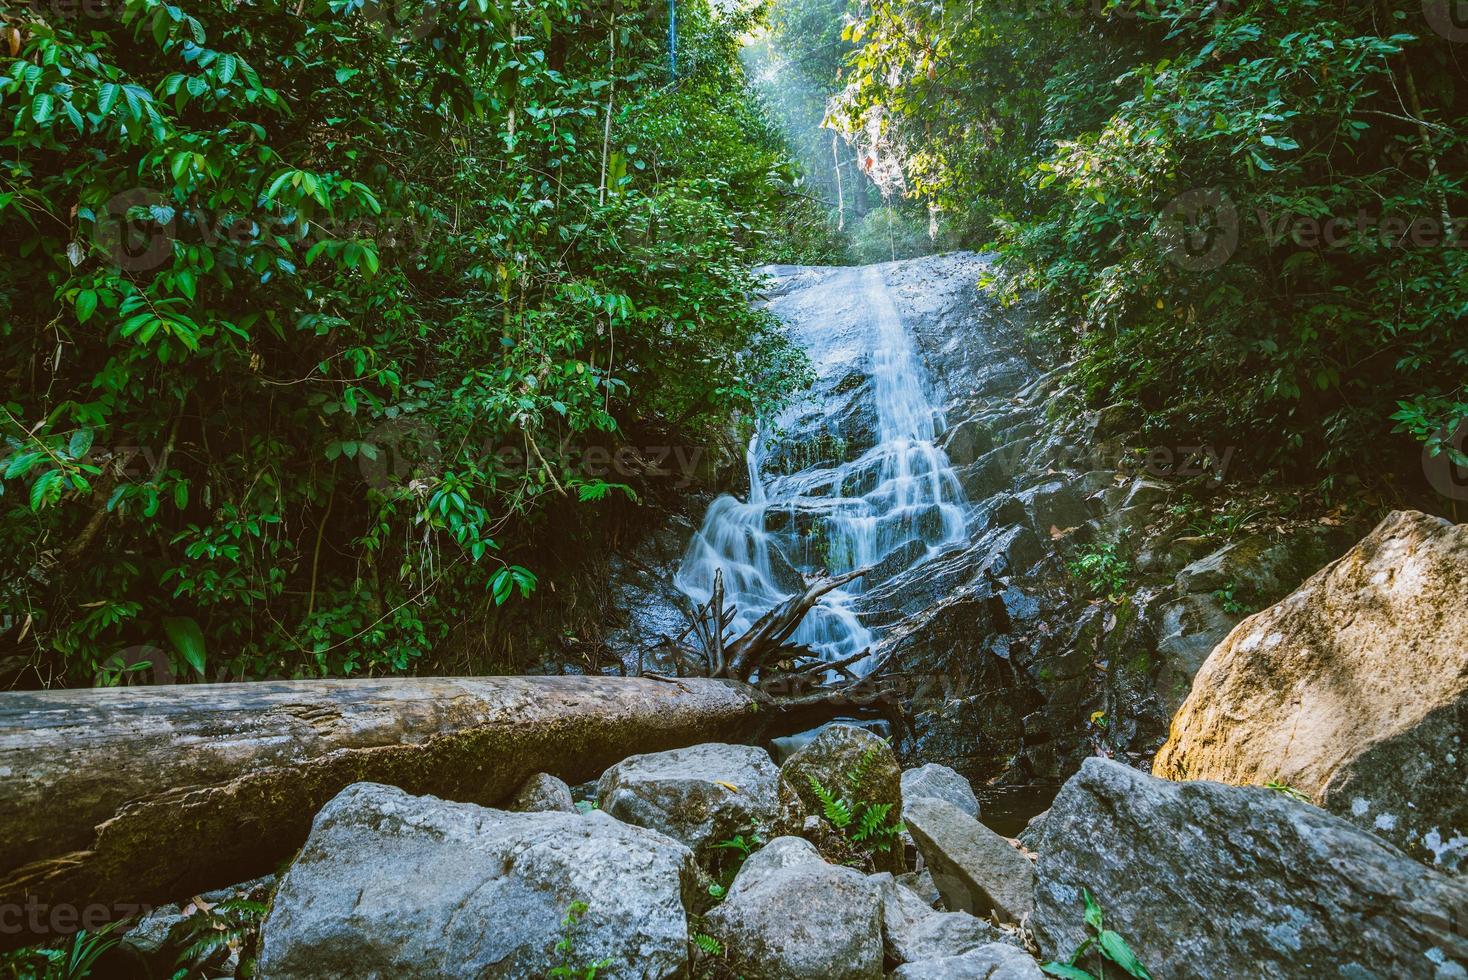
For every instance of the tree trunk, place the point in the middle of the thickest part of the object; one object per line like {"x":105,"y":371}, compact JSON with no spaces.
{"x":116,"y":798}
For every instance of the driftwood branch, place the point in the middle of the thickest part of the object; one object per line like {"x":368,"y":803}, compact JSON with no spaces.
{"x":791,"y":674}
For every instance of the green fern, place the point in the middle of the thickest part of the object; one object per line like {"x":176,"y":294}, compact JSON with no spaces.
{"x":873,"y":829}
{"x":708,"y":944}
{"x":837,"y":811}
{"x":858,"y":774}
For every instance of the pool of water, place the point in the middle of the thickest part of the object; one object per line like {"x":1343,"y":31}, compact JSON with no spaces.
{"x":1007,"y":810}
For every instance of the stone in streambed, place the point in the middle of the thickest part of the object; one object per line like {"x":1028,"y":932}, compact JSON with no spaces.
{"x":700,"y":795}
{"x":391,"y":886}
{"x":941,"y":783}
{"x":542,"y":793}
{"x":791,"y":916}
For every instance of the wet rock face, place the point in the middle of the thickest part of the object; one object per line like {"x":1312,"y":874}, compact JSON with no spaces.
{"x":700,"y":795}
{"x":395,"y":886}
{"x":1203,"y":879}
{"x":1354,"y":691}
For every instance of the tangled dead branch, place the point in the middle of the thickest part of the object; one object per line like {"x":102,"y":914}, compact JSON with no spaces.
{"x":794,"y":674}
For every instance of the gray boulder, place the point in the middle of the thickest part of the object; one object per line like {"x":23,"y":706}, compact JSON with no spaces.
{"x":395,"y":886}
{"x":975,"y":869}
{"x":699,"y":795}
{"x":542,"y":793}
{"x":791,"y":916}
{"x":852,"y":763}
{"x":940,"y":783}
{"x":1203,"y":879}
{"x":995,"y":961}
{"x":913,"y":930}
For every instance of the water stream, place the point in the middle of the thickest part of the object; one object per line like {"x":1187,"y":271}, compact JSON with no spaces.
{"x":895,"y":503}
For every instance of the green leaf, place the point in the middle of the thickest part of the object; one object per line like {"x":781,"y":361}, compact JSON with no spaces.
{"x":1118,"y":952}
{"x":107,"y":97}
{"x":1066,"y":971}
{"x":41,"y":107}
{"x":1093,"y":910}
{"x":187,"y":638}
{"x":86,"y":305}
{"x":81,"y":441}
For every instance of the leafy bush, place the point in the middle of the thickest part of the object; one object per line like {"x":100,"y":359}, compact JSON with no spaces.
{"x":313,"y":309}
{"x":1102,"y":571}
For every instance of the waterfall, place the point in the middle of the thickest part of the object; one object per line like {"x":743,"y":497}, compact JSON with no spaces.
{"x":897,"y":502}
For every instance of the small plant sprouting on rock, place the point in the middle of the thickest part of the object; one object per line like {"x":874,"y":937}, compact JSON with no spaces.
{"x":1109,"y":944}
{"x":1102,"y":571}
{"x":863,"y":823}
{"x":740,"y":848}
{"x":1280,"y":786}
{"x":1230,"y":600}
{"x":567,"y":968}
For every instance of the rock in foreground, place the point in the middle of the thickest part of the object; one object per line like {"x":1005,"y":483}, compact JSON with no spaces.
{"x":699,"y":795}
{"x":1353,"y":690}
{"x":394,"y":886}
{"x":975,"y":869}
{"x":1203,"y":879}
{"x":995,"y":961}
{"x":791,"y":916}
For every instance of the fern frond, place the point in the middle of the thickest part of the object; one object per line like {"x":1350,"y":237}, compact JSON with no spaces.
{"x":859,"y":772}
{"x":708,"y":944}
{"x":837,"y":811}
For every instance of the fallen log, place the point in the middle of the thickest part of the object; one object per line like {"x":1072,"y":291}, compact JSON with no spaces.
{"x":115,"y":799}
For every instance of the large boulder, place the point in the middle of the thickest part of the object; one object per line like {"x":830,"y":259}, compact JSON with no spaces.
{"x":541,"y":793}
{"x":851,"y":763}
{"x":995,"y":961}
{"x":974,"y":868}
{"x":699,"y":795}
{"x":1203,"y":879}
{"x":1353,"y":691}
{"x":395,"y":886}
{"x":940,"y":783}
{"x":791,"y":916}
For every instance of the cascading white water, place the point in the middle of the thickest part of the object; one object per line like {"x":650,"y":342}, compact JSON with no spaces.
{"x":899,"y":495}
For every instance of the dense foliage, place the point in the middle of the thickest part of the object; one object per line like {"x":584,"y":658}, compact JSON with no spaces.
{"x":310,"y":307}
{"x":1249,"y":218}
